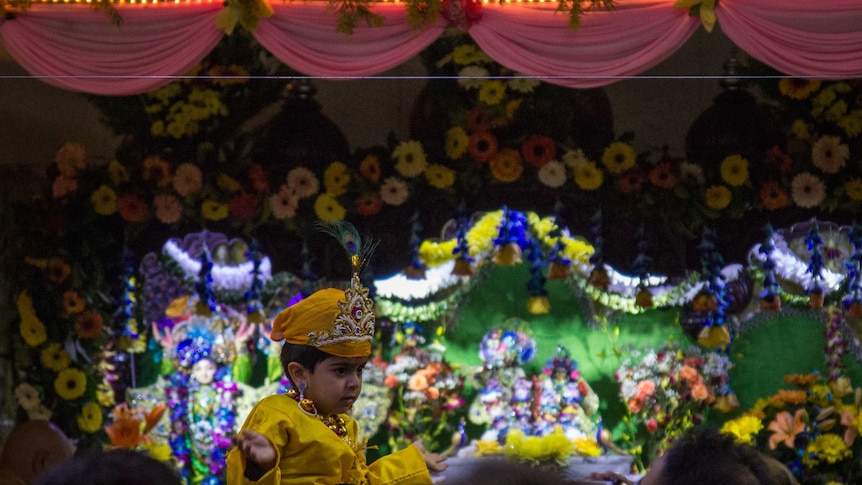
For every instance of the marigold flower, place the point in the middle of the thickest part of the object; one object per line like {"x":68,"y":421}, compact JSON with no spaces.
{"x":791,"y":396}
{"x":507,"y":165}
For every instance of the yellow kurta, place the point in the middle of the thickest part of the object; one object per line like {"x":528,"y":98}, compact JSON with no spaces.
{"x":310,"y":453}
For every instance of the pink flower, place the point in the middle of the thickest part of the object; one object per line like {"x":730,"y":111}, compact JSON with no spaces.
{"x":394,"y":191}
{"x":168,"y":208}
{"x":651,"y":426}
{"x":303,"y":181}
{"x":646,"y":387}
{"x":188,"y":179}
{"x":284,"y":203}
{"x":63,"y":185}
{"x":785,"y":428}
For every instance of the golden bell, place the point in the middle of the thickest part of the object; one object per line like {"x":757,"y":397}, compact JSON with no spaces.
{"x":816,"y":299}
{"x":599,"y":278}
{"x":557,"y":271}
{"x":538,"y":305}
{"x":507,"y":254}
{"x":714,"y":336}
{"x":415,"y":273}
{"x":463,"y":268}
{"x":771,"y":303}
{"x":643,"y":298}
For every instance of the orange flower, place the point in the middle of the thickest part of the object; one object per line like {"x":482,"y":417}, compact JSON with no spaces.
{"x":773,"y":196}
{"x":785,"y":428}
{"x":802,"y":380}
{"x":259,"y":178}
{"x":89,"y":324}
{"x":152,"y":418}
{"x":58,"y":270}
{"x":699,"y":392}
{"x":125,"y":431}
{"x":131,"y":207}
{"x":776,"y":157}
{"x":158,"y":169}
{"x":418,"y":382}
{"x":482,"y":146}
{"x":538,"y":150}
{"x":72,"y":302}
{"x":646,"y":387}
{"x":369,"y":168}
{"x":688,"y":373}
{"x":390,"y":381}
{"x":507,"y":165}
{"x":789,"y":396}
{"x":477,"y":120}
{"x":662,"y":176}
{"x":432,"y":392}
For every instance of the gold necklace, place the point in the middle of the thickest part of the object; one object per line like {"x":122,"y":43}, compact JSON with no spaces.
{"x":334,"y":422}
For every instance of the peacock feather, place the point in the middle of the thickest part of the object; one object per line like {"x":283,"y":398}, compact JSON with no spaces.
{"x":348,"y":237}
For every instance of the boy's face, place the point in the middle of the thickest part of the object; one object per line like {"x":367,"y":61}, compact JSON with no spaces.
{"x":335,"y":383}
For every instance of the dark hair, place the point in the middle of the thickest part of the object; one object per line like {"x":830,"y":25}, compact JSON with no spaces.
{"x":304,"y":355}
{"x":708,"y":457}
{"x":115,"y":467}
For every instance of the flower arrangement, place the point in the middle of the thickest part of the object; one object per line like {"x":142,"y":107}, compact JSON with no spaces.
{"x":812,"y":427}
{"x":130,"y":428}
{"x":667,"y":391}
{"x":426,"y":393}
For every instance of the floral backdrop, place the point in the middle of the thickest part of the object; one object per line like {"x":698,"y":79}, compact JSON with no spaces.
{"x":183,"y":166}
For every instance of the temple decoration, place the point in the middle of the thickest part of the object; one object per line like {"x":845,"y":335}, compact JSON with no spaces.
{"x":416,"y":269}
{"x":712,"y":301}
{"x":640,"y":268}
{"x":770,"y":297}
{"x":815,"y":290}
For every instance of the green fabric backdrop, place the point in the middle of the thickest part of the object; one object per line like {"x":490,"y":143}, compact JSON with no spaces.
{"x":762,"y":356}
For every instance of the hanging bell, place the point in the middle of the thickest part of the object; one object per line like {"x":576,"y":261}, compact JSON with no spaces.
{"x":508,"y":254}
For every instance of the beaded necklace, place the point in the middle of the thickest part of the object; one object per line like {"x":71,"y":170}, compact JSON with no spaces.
{"x":334,"y":422}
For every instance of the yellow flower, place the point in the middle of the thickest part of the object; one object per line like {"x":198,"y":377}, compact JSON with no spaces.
{"x":104,"y":200}
{"x":158,"y":451}
{"x":117,"y":172}
{"x":214,"y":211}
{"x":618,"y":157}
{"x":70,"y":384}
{"x":105,"y":395}
{"x":734,"y":170}
{"x":852,"y":123}
{"x":466,"y":54}
{"x":439,"y":176}
{"x":492,"y":92}
{"x":227,"y":183}
{"x":55,"y":357}
{"x":826,"y":448}
{"x":587,"y":447}
{"x":706,"y":9}
{"x":588,"y":176}
{"x":32,"y":329}
{"x":488,"y":448}
{"x":718,"y":197}
{"x":744,"y":428}
{"x":457,"y":141}
{"x":336,"y":178}
{"x":436,"y":253}
{"x":800,"y":129}
{"x":90,"y":419}
{"x":820,"y":395}
{"x":798,"y":88}
{"x":328,"y":209}
{"x":411,"y":160}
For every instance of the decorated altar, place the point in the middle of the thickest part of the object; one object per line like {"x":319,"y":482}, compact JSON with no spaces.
{"x":526,"y":306}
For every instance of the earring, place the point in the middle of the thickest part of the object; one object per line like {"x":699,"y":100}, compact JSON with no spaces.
{"x":307,"y":405}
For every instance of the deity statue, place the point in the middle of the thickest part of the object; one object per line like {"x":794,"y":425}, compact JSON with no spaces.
{"x":564,"y":398}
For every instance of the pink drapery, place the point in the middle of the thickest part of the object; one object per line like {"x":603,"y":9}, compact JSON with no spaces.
{"x":303,"y":36}
{"x":609,"y":45}
{"x":800,"y":38}
{"x":74,"y":48}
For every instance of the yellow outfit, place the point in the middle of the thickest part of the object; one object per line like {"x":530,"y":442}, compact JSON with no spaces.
{"x":309,"y":453}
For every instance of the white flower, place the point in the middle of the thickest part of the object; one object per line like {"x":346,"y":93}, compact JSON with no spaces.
{"x":394,"y":191}
{"x":573,"y":158}
{"x":27,"y":395}
{"x":807,"y":190}
{"x":829,"y":154}
{"x":39,"y":412}
{"x":472,"y":77}
{"x":523,"y":84}
{"x":553,"y":174}
{"x":692,"y":174}
{"x":303,"y":181}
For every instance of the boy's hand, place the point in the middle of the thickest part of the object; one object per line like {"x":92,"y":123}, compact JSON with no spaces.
{"x":434,"y":461}
{"x":257,"y":449}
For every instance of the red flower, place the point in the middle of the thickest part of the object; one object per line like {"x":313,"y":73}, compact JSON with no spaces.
{"x":776,"y":157}
{"x":132,"y":208}
{"x":243,"y":205}
{"x":483,"y":146}
{"x":662,"y":176}
{"x":369,"y":204}
{"x":538,"y":150}
{"x":259,"y":178}
{"x":477,"y":121}
{"x":631,"y":181}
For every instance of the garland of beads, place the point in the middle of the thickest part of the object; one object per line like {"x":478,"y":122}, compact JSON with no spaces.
{"x":334,"y":422}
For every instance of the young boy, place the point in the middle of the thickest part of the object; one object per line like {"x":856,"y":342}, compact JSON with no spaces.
{"x":305,"y":436}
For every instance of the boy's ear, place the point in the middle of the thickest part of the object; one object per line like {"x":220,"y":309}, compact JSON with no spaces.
{"x":298,"y":372}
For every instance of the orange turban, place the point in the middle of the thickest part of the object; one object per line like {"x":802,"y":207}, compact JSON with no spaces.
{"x":337,"y":322}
